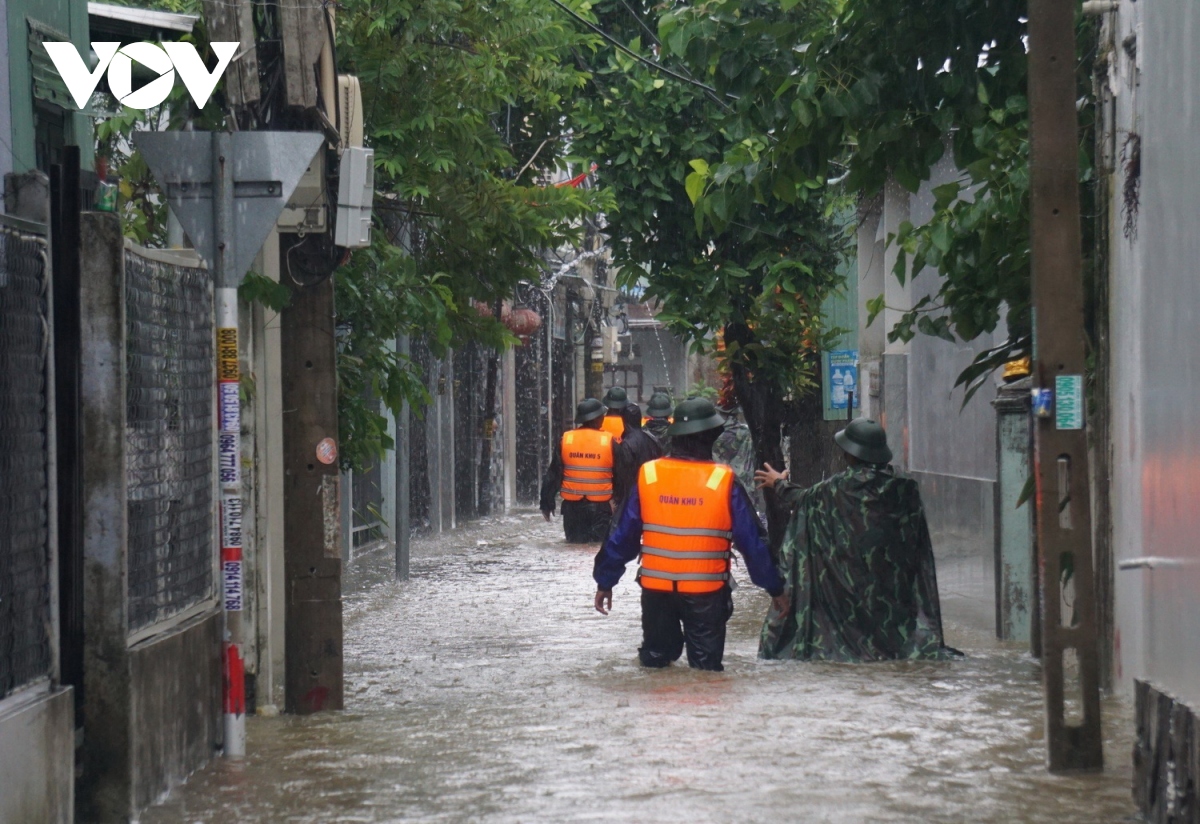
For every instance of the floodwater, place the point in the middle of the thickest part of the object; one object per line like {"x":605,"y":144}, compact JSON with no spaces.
{"x":487,"y":689}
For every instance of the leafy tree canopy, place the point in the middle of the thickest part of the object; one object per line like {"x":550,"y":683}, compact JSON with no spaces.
{"x":717,"y":256}
{"x":464,"y":104}
{"x":864,"y":90}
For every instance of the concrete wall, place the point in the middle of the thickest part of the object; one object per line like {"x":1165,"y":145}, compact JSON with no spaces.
{"x":175,"y":690}
{"x":1155,"y":319}
{"x":664,"y":361}
{"x":152,"y":709}
{"x":908,"y":387}
{"x":37,"y":756}
{"x":263,"y":481}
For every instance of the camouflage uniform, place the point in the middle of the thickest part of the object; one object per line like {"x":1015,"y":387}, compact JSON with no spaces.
{"x":734,"y":447}
{"x":658,"y":428}
{"x":858,"y":564}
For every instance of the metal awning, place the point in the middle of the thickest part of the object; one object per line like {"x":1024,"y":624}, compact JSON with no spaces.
{"x":127,"y":24}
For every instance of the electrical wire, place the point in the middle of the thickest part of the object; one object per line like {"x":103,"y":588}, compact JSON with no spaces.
{"x":621,"y":47}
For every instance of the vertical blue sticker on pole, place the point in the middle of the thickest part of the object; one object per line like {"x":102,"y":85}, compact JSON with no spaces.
{"x":1068,"y":402}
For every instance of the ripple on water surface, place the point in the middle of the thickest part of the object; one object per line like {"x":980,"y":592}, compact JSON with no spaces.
{"x":487,"y":689}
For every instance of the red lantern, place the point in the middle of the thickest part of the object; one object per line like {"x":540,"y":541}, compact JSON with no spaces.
{"x":523,"y":323}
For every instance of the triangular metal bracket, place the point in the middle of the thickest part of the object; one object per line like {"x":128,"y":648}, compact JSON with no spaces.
{"x":266,"y":168}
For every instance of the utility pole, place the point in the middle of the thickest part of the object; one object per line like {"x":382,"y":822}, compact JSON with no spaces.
{"x":227,"y":190}
{"x":1063,"y":506}
{"x":312,"y":554}
{"x":226,"y":279}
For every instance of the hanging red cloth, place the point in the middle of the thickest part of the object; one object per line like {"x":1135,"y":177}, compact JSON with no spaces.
{"x":576,"y":181}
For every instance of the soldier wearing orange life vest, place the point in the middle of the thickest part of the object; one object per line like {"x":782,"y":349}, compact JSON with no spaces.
{"x":582,"y":472}
{"x":615,"y":399}
{"x":684,"y":517}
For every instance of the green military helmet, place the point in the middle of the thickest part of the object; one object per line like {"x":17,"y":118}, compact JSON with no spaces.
{"x":659,"y":406}
{"x":865,"y":439}
{"x":616,"y":398}
{"x":588,"y":410}
{"x":695,"y":415}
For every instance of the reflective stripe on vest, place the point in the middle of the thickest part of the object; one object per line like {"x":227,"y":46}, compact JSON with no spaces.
{"x":687,"y":525}
{"x":680,"y":530}
{"x":683,"y":553}
{"x":587,"y":465}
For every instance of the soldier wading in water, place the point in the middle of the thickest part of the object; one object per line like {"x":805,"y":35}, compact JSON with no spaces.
{"x":683,"y":516}
{"x":858,"y":562}
{"x":582,"y":471}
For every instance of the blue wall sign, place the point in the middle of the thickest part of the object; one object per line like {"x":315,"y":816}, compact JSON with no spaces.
{"x":843,"y":378}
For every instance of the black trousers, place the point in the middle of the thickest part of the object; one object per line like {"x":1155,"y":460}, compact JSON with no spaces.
{"x":586,"y":522}
{"x":673,"y":620}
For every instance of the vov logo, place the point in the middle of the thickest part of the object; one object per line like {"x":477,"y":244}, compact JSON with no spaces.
{"x":165,"y":60}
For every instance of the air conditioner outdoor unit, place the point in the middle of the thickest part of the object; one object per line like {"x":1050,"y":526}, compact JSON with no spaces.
{"x":350,"y":114}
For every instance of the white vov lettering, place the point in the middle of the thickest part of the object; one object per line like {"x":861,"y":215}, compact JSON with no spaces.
{"x":167,"y":61}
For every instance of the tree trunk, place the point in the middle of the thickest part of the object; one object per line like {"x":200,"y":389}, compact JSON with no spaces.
{"x":813,"y":457}
{"x":765,"y":412}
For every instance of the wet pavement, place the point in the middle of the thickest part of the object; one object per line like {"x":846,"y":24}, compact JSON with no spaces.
{"x":487,"y":689}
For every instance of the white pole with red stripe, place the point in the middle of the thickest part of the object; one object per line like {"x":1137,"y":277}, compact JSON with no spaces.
{"x":229,"y":441}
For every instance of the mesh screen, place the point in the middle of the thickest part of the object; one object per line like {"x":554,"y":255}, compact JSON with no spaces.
{"x":24,"y":462}
{"x":169,"y":430}
{"x":367,"y":500}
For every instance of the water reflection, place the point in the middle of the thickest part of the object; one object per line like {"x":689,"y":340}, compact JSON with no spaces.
{"x":486,"y":689}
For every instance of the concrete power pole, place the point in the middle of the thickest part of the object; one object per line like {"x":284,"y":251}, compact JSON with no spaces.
{"x":1070,"y":657}
{"x":312,"y":556}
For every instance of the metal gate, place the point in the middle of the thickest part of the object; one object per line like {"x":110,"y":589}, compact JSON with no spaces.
{"x":25,"y":459}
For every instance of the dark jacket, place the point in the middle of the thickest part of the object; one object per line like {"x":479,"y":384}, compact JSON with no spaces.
{"x":636,"y":447}
{"x":552,"y":482}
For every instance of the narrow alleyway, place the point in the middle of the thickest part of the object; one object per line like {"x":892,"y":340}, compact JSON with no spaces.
{"x":487,"y":689}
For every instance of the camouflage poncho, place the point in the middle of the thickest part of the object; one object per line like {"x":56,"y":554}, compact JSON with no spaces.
{"x":734,"y":447}
{"x":859,"y":568}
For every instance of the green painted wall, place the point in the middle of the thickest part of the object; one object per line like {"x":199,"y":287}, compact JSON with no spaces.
{"x":71,"y":18}
{"x":840,"y":310}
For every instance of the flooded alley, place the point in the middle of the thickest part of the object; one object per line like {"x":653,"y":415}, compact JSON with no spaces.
{"x":487,"y":689}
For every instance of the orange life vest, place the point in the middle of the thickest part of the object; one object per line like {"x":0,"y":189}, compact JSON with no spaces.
{"x":687,"y":525}
{"x":613,"y":425}
{"x":587,"y":459}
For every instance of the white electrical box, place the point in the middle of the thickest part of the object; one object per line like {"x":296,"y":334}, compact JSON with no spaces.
{"x":356,"y":192}
{"x":611,"y":346}
{"x":306,"y":209}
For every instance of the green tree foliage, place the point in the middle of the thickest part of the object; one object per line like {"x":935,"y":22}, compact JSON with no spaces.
{"x":714,"y":253}
{"x":693,"y":229}
{"x":865,"y":90}
{"x":464,"y":104}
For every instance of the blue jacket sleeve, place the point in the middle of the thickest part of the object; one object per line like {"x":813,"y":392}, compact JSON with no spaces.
{"x":623,"y":544}
{"x":749,"y":539}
